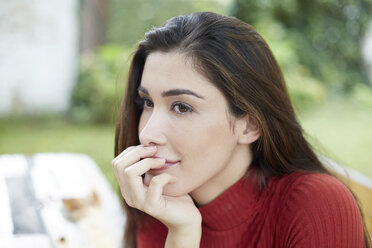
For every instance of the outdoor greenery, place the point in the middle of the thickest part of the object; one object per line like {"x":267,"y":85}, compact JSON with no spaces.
{"x":318,"y":39}
{"x":341,"y":130}
{"x":97,"y":94}
{"x":129,"y":20}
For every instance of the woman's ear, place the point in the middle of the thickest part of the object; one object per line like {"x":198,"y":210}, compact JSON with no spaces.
{"x":249,"y":130}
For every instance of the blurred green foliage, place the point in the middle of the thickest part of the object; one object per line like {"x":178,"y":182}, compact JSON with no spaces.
{"x":98,"y":92}
{"x":129,"y":20}
{"x":363,"y":95}
{"x":322,"y":37}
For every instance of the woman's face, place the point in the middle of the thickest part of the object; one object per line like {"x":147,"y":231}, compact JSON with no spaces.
{"x":187,"y":118}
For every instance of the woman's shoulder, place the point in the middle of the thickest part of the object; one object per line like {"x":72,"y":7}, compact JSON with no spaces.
{"x":319,"y":189}
{"x":311,"y":182}
{"x":320,"y":207}
{"x":304,"y":186}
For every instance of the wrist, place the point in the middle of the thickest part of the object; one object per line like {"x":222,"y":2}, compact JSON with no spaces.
{"x":184,"y":236}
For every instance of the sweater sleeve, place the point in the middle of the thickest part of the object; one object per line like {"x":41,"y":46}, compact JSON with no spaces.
{"x":319,"y":211}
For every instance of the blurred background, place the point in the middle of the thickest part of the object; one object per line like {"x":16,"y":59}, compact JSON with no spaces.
{"x":63,"y":66}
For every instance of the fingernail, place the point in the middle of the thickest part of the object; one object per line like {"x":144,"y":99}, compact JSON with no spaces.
{"x":150,"y":147}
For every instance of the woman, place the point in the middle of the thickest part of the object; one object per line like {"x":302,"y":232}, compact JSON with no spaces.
{"x":209,"y":152}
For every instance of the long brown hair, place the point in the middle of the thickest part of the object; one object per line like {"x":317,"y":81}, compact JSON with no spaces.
{"x":237,"y":60}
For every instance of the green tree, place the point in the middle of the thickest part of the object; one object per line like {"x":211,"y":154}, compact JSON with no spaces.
{"x":324,"y":35}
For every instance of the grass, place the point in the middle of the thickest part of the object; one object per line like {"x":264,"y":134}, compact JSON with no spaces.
{"x":34,"y":135}
{"x":342,"y":130}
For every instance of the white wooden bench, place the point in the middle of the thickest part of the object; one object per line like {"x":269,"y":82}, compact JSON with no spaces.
{"x":57,"y":200}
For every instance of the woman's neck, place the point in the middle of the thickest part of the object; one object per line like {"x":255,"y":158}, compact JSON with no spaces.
{"x":236,"y":168}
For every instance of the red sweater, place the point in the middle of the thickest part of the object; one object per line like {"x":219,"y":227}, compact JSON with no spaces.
{"x":298,"y":210}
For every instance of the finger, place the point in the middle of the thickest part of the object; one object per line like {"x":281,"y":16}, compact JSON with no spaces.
{"x":132,"y":156}
{"x":132,"y":175}
{"x":155,"y":190}
{"x":123,"y":153}
{"x":133,"y":188}
{"x":119,"y":166}
{"x":128,"y":149}
{"x":141,"y":167}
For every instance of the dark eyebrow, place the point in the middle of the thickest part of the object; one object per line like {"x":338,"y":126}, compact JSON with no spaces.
{"x":176,"y":92}
{"x":141,"y":89}
{"x":173,"y":92}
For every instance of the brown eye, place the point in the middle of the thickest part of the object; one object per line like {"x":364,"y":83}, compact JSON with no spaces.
{"x":182,"y":108}
{"x":147,"y":103}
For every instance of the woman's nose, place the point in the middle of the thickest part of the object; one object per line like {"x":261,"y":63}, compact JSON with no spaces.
{"x":151,"y":131}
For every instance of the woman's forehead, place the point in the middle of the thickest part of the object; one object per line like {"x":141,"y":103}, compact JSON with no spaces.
{"x":172,"y":70}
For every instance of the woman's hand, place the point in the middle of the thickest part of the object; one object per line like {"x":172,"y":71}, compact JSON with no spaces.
{"x":179,"y":214}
